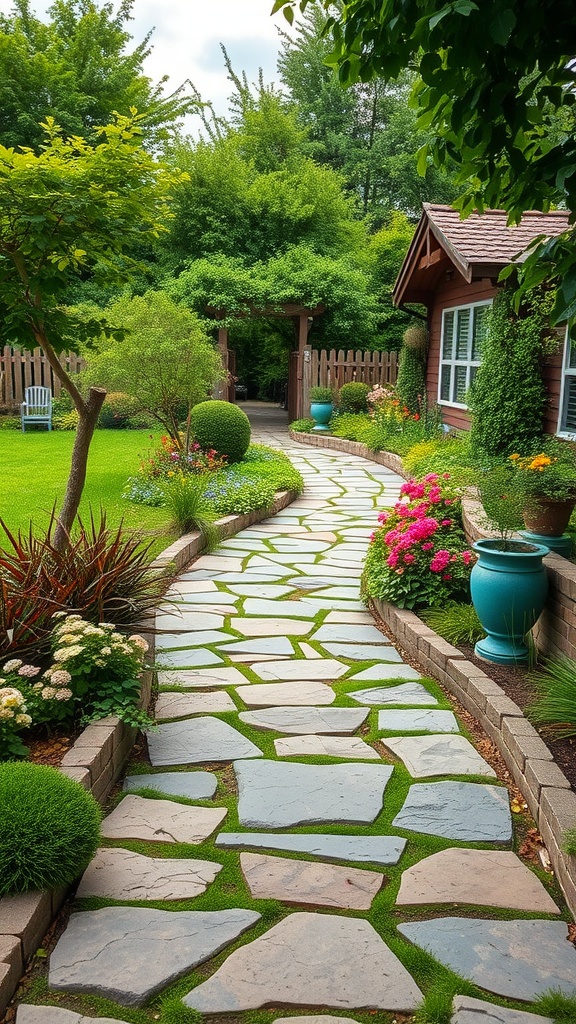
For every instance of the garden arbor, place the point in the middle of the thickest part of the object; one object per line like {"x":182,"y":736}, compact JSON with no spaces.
{"x":300,"y":358}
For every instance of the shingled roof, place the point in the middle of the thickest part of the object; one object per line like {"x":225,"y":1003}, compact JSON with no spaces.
{"x":479,"y":246}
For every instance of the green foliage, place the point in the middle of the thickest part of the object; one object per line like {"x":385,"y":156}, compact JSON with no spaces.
{"x":10,"y":423}
{"x":222,"y":426}
{"x":352,"y":397}
{"x":183,"y":496}
{"x":77,"y":68}
{"x":418,"y":556}
{"x":436,"y":1007}
{"x":445,"y":452}
{"x":502,"y":500}
{"x":384,"y":257}
{"x":457,"y":623}
{"x":322,"y":395}
{"x":509,"y":69}
{"x":252,"y":484}
{"x":560,"y":1007}
{"x":411,"y":382}
{"x":555,"y":704}
{"x":352,"y":426}
{"x":163,"y":365}
{"x":103,"y":669}
{"x":570,"y":847}
{"x":174,"y":1012}
{"x":116,"y":411}
{"x":49,"y":828}
{"x":66,"y":421}
{"x":550,"y":470}
{"x":302,"y":426}
{"x":104,"y":575}
{"x":508,"y":396}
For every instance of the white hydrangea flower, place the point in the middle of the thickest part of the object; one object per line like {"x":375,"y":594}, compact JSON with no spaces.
{"x":63,"y":694}
{"x":60,"y":677}
{"x":139,"y":642}
{"x":64,"y":653}
{"x":23,"y":720}
{"x":48,"y":693}
{"x":28,"y":671}
{"x":13,"y":665}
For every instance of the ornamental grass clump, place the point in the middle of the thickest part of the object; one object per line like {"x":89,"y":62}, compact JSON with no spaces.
{"x":49,"y":828}
{"x":418,"y":556}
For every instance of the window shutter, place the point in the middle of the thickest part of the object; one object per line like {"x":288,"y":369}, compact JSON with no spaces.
{"x":570,"y":405}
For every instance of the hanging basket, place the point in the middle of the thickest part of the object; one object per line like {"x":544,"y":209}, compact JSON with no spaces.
{"x":416,"y":338}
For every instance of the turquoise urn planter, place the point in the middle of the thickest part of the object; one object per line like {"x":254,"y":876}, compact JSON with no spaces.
{"x":508,"y":590}
{"x":321,"y":413}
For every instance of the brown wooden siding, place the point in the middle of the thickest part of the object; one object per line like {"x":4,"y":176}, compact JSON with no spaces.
{"x":456,"y":292}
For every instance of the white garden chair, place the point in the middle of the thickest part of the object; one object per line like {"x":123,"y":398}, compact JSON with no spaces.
{"x":37,"y":407}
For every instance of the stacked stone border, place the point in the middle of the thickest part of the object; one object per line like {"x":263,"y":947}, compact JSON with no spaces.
{"x":547,"y":791}
{"x":96,"y":760}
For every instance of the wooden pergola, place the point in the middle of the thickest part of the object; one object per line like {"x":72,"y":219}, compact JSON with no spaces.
{"x":299,"y":368}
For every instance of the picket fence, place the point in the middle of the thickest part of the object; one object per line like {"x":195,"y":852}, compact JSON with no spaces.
{"x":20,"y":370}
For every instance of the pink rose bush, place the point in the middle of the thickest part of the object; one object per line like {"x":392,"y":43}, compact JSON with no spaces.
{"x":418,"y":555}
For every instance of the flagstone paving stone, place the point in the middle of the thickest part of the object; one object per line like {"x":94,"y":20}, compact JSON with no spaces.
{"x":383,"y":850}
{"x":405,"y":693}
{"x":56,"y":1015}
{"x":310,"y":960}
{"x":467,"y":811}
{"x":125,"y":875}
{"x":196,"y":740}
{"x":161,"y":821}
{"x":477,"y":1011}
{"x":273,"y":646}
{"x":183,"y":586}
{"x":315,"y":1019}
{"x":266,"y":590}
{"x":364,"y":652}
{"x":342,"y":721}
{"x":129,"y":953}
{"x":305,"y":692}
{"x":186,"y":621}
{"x":326,"y":746}
{"x":309,"y":652}
{"x":381,"y":672}
{"x":218,"y":599}
{"x":273,"y":794}
{"x":291,"y":609}
{"x":270,"y":627}
{"x":300,"y":881}
{"x":180,"y":705}
{"x":294,"y":670}
{"x":487,"y":878}
{"x":189,"y":679}
{"x":517,"y":959}
{"x":193,"y":785}
{"x":416,"y":720}
{"x":438,"y":755}
{"x":167,"y":642}
{"x":352,"y":618}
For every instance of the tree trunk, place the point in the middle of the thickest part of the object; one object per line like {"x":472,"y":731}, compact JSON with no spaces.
{"x":88,"y":418}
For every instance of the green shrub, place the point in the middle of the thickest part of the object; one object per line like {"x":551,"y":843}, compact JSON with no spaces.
{"x":302,"y":426}
{"x":353,"y":397}
{"x":352,"y":426}
{"x":222,"y":426}
{"x":49,"y":828}
{"x":66,"y":420}
{"x":445,"y":453}
{"x":457,"y":623}
{"x":117,"y":411}
{"x":10,"y":423}
{"x":411,"y":383}
{"x":62,"y":405}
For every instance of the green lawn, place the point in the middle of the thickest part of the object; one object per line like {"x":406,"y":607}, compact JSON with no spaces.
{"x":34,"y":469}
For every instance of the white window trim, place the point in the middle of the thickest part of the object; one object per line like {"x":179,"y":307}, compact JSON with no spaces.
{"x":455,"y":362}
{"x":567,"y":371}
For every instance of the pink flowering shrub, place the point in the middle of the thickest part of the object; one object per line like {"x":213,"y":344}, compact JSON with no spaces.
{"x":418,"y":555}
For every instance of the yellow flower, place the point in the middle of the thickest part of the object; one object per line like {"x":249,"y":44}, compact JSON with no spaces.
{"x":514,"y":456}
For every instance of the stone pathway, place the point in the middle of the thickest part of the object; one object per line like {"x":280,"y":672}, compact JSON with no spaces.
{"x":298,"y":840}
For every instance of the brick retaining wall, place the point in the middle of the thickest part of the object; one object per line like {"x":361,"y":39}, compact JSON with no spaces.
{"x":96,"y":760}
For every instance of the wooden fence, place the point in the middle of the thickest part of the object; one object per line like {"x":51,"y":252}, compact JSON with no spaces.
{"x":333,"y":369}
{"x":20,"y":370}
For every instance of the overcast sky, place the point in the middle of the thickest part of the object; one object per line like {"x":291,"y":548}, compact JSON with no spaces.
{"x":186,"y":39}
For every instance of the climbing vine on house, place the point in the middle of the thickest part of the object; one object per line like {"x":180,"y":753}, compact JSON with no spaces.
{"x":508,"y":397}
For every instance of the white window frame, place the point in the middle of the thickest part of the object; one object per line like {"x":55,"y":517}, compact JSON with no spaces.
{"x":568,"y":374}
{"x":469,"y":363}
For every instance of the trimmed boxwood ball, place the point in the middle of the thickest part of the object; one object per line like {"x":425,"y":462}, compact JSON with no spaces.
{"x":223,"y":426}
{"x":353,"y":397}
{"x":49,"y":828}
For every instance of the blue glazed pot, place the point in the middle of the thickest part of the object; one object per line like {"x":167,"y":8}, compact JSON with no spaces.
{"x":321,"y":413}
{"x":508,"y":590}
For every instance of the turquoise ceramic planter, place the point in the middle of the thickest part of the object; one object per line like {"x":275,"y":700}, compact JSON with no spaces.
{"x":321,"y":413}
{"x":508,"y":590}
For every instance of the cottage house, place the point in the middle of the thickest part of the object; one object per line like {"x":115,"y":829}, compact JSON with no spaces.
{"x":452,"y":269}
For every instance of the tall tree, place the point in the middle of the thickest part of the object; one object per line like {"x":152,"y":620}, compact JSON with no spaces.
{"x":77,"y":68}
{"x":73,"y":211}
{"x":497,"y":86}
{"x":367,"y":132}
